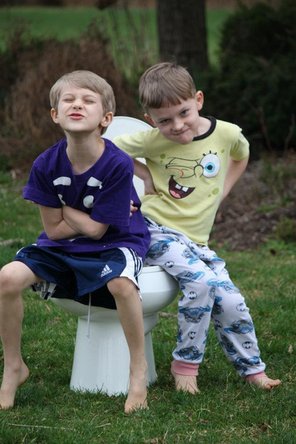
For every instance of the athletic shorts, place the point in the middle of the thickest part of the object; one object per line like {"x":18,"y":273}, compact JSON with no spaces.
{"x":77,"y":276}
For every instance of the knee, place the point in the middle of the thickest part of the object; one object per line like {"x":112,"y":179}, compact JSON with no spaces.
{"x":231,"y":305}
{"x":6,"y":281}
{"x":121,"y":287}
{"x":9,"y":282}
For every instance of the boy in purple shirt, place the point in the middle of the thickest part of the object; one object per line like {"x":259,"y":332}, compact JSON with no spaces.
{"x":90,"y":246}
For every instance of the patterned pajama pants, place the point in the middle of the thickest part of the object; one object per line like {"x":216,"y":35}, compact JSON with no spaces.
{"x":207,"y":293}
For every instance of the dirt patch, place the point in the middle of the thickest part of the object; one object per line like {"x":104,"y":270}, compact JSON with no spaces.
{"x":259,"y":201}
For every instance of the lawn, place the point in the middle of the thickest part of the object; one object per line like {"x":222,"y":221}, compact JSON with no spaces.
{"x":227,"y":410}
{"x":138,"y":27}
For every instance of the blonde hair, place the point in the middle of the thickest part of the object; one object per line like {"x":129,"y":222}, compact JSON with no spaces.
{"x":88,"y":80}
{"x":165,"y":84}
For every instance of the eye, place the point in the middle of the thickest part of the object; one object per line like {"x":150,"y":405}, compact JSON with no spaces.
{"x":90,"y":99}
{"x":210,"y":164}
{"x":163,"y":122}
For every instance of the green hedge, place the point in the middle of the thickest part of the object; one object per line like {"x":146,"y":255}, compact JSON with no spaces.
{"x":254,"y":85}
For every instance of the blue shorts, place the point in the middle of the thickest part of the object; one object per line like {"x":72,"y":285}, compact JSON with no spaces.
{"x":75,"y":276}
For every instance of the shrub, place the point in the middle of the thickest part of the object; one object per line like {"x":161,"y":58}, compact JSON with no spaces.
{"x":254,"y":85}
{"x":286,"y":230}
{"x":35,"y":65}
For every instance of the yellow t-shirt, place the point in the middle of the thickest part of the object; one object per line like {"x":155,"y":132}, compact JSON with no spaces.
{"x":189,"y":179}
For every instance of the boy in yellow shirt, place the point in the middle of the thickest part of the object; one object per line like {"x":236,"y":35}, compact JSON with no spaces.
{"x":192,"y":162}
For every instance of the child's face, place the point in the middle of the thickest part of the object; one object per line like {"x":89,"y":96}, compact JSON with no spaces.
{"x":80,"y":110}
{"x":178,"y":123}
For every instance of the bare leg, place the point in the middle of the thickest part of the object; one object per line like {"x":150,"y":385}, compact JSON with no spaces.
{"x":262,"y":381}
{"x":130,"y":313}
{"x":13,"y":278}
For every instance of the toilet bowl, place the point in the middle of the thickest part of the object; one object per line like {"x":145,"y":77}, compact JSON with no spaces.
{"x":101,"y":356}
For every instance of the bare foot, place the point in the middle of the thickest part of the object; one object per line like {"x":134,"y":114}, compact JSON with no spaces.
{"x":12,"y":379}
{"x":262,"y":381}
{"x":185,"y":383}
{"x":137,"y":393}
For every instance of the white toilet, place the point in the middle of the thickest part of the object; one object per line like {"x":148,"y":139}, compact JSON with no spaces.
{"x":101,"y":357}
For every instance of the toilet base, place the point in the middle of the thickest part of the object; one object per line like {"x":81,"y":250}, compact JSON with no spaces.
{"x":101,"y":358}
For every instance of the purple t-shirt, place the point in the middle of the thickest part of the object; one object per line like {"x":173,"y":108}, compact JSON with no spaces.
{"x":104,"y":192}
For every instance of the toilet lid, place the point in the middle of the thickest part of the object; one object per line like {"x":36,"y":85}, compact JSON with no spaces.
{"x":128,"y":125}
{"x":125,"y":125}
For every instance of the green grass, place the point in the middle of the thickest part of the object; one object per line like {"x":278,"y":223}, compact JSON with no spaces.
{"x":227,"y":410}
{"x":129,"y":34}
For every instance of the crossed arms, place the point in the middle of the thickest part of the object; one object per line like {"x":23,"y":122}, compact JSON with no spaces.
{"x":67,"y":222}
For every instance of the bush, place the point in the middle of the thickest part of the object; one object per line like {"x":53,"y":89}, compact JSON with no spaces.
{"x":286,"y":230}
{"x":28,"y":69}
{"x":254,"y":85}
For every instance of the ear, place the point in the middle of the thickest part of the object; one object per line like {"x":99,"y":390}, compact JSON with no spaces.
{"x":199,"y":96}
{"x":54,"y":115}
{"x":106,"y":120}
{"x":149,"y":119}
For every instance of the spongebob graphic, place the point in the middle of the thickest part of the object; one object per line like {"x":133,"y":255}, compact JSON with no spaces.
{"x":184,"y":173}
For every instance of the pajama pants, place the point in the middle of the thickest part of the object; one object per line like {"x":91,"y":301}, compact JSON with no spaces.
{"x":206,"y":293}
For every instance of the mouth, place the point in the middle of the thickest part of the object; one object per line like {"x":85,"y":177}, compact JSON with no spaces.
{"x":180,"y":133}
{"x":178,"y":191}
{"x":76,"y":116}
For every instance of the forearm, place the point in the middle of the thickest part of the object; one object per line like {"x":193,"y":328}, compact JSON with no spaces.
{"x":54,"y":225}
{"x":81,"y":222}
{"x":234,"y":172}
{"x":62,"y":231}
{"x":142,"y":171}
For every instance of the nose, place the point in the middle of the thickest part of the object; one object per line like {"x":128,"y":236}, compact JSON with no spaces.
{"x":177,"y":125}
{"x":77,"y":104}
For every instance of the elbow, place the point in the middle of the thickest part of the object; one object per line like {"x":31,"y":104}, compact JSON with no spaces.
{"x":97,"y":232}
{"x":52,"y":235}
{"x":94,"y":234}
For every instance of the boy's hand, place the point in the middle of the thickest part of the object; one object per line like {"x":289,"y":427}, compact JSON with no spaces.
{"x":133,"y":208}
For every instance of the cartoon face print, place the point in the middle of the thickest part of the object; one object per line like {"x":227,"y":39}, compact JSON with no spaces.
{"x":62,"y":182}
{"x":184,"y":173}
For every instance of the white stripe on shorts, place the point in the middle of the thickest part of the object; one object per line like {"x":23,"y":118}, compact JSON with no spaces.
{"x":134,"y":265}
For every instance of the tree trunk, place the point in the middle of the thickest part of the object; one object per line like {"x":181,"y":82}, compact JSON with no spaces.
{"x":182,"y":33}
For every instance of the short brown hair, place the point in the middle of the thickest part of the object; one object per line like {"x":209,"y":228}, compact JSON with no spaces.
{"x":165,"y":84}
{"x":88,"y":80}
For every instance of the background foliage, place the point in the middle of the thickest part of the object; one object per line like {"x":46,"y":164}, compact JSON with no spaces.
{"x":254,"y":83}
{"x":29,"y":69}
